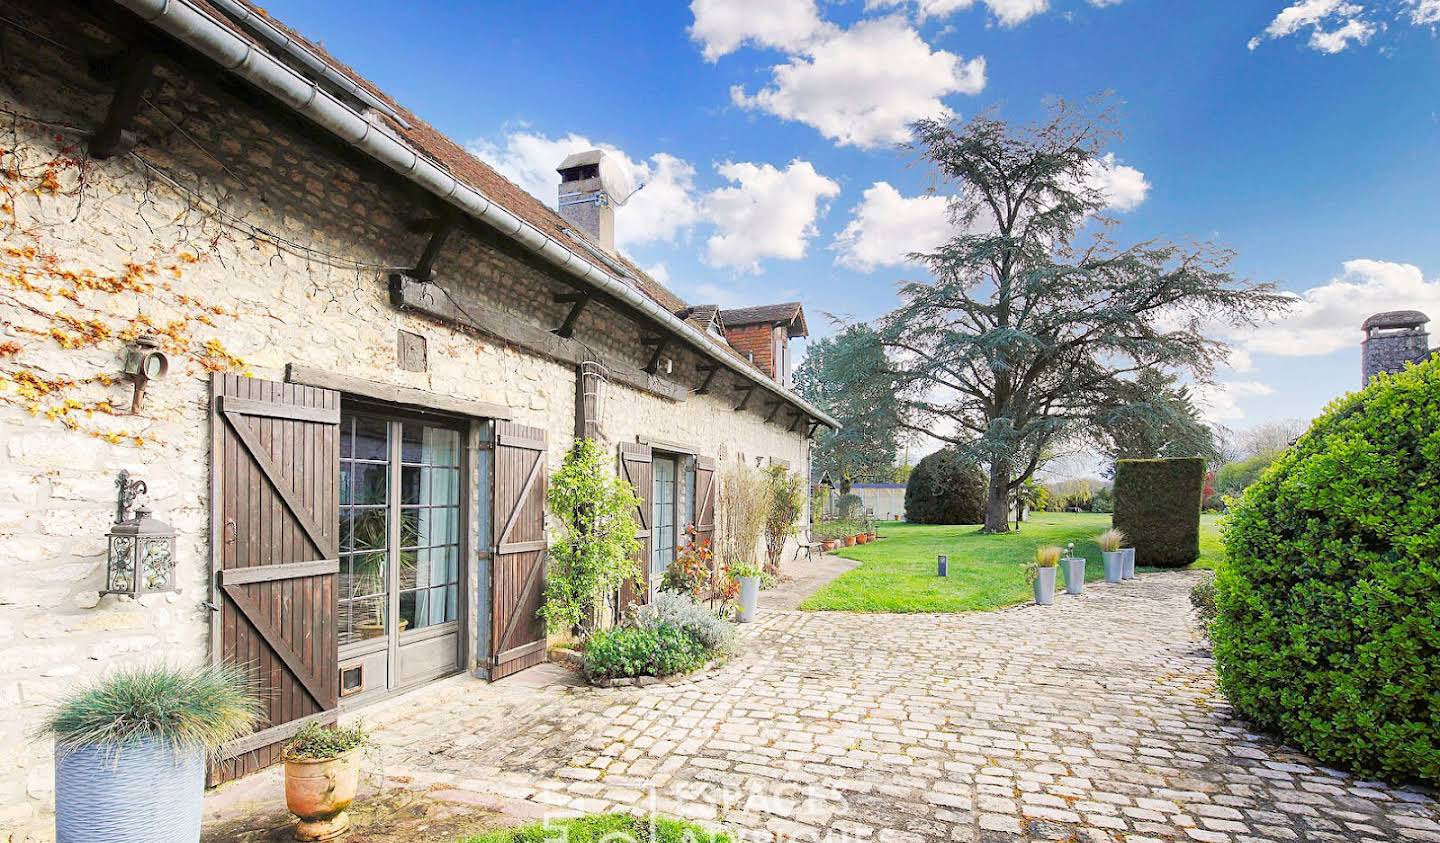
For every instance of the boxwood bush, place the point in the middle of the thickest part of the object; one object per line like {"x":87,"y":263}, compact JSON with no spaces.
{"x":1157,"y":507}
{"x":628,"y":651}
{"x":945,"y":488}
{"x":1328,"y":630}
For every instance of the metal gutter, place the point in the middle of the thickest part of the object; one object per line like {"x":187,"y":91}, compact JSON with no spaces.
{"x":197,"y":29}
{"x":281,"y":40}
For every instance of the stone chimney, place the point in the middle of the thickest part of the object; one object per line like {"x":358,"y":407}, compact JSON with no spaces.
{"x":1392,"y":339}
{"x":584,"y":200}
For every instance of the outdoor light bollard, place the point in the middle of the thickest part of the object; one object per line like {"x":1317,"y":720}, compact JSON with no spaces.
{"x":944,"y":565}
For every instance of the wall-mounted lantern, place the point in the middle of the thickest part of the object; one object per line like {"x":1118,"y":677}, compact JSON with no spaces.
{"x":141,"y":550}
{"x":144,"y":362}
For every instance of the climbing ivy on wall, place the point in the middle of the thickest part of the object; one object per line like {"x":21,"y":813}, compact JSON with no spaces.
{"x":61,"y":313}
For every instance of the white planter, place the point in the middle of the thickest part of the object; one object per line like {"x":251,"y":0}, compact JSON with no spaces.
{"x":1045,"y":586}
{"x":1129,"y":562}
{"x":749,"y":598}
{"x":1114,"y":565}
{"x":142,"y":792}
{"x":1074,"y":574}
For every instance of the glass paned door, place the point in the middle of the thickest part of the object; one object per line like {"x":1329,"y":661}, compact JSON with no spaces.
{"x":364,"y":529}
{"x":429,"y":524}
{"x":401,"y":522}
{"x":662,"y":530}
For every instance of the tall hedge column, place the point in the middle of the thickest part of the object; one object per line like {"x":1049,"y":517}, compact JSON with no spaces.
{"x":1157,"y":506}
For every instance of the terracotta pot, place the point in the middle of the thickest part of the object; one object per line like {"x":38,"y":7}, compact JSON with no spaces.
{"x":849,"y":541}
{"x":827,"y":545}
{"x":318,"y":791}
{"x":863,"y":538}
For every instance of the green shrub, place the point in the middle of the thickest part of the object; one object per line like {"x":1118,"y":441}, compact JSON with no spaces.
{"x":1328,"y":630}
{"x":628,"y":651}
{"x":1157,"y":505}
{"x":684,"y":613}
{"x":945,"y":488}
{"x":606,"y":828}
{"x":1202,"y":597}
{"x":318,"y":742}
{"x":191,"y":707}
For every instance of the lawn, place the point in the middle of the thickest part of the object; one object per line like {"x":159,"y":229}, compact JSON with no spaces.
{"x":897,"y":573}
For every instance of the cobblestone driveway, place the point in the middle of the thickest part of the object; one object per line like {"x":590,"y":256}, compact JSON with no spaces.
{"x":1096,"y":719}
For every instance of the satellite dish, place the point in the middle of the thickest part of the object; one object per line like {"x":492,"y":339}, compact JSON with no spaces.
{"x":615,"y":181}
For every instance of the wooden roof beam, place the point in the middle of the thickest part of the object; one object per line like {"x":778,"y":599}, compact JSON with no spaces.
{"x":577,"y":302}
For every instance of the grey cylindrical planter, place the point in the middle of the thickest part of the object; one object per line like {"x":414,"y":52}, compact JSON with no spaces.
{"x":143,"y":792}
{"x":1045,"y":586}
{"x":1114,"y":565}
{"x":1074,"y":574}
{"x":1129,"y":562}
{"x":749,"y":598}
{"x":943,"y":566}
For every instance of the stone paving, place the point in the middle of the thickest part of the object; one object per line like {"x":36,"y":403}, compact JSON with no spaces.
{"x":1096,"y":719}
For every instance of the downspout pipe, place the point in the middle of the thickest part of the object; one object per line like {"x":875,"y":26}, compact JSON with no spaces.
{"x":197,"y":29}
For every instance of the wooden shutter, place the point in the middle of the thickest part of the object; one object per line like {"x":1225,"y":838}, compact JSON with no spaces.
{"x":518,"y":633}
{"x":274,"y":538}
{"x":636,"y":468}
{"x":705,"y":500}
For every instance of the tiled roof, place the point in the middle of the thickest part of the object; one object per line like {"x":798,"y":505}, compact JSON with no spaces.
{"x":460,"y":163}
{"x":789,"y":314}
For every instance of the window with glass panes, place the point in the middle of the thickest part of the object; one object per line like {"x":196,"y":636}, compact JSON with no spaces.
{"x":399,"y":526}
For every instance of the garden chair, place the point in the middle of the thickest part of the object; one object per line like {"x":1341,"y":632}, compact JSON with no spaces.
{"x":809,"y":546}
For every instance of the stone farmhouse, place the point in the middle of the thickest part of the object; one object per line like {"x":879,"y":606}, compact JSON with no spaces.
{"x":340,"y":352}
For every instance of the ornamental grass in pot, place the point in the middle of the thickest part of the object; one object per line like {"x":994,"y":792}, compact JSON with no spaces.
{"x":1110,"y":542}
{"x":1041,"y":573}
{"x":131,"y":750}
{"x":322,"y":774}
{"x":748,"y":575}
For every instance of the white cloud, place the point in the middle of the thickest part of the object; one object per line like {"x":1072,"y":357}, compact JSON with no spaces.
{"x":1220,"y":402}
{"x":724,"y":26}
{"x":767,"y":213}
{"x":1327,"y":318}
{"x":1425,"y":12}
{"x":662,"y":211}
{"x":1123,"y":186}
{"x":1336,"y":25}
{"x":1007,"y":12}
{"x":886,"y":227}
{"x":1336,"y":40}
{"x":865,"y":85}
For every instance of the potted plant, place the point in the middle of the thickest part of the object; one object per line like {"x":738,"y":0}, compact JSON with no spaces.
{"x":322,"y":773}
{"x":1110,"y":542}
{"x":1074,"y":571}
{"x":1041,"y":574}
{"x":749,"y":576}
{"x":130,"y":750}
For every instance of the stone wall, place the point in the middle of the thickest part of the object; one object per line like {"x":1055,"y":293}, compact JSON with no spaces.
{"x":269,"y":240}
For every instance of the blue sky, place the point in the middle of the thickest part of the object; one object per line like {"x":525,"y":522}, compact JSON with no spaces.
{"x":1305,"y":135}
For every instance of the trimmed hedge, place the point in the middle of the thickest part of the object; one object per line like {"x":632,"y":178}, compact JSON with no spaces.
{"x":1328,"y":630}
{"x":1157,"y":506}
{"x":945,"y":488}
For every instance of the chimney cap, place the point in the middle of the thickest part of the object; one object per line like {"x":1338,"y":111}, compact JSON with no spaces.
{"x":580,"y":159}
{"x":1392,"y":319}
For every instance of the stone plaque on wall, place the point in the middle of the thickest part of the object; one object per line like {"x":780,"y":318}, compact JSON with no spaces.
{"x":411,"y":352}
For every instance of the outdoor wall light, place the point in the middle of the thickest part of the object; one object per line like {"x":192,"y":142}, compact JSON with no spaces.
{"x":144,"y":362}
{"x":141,"y":555}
